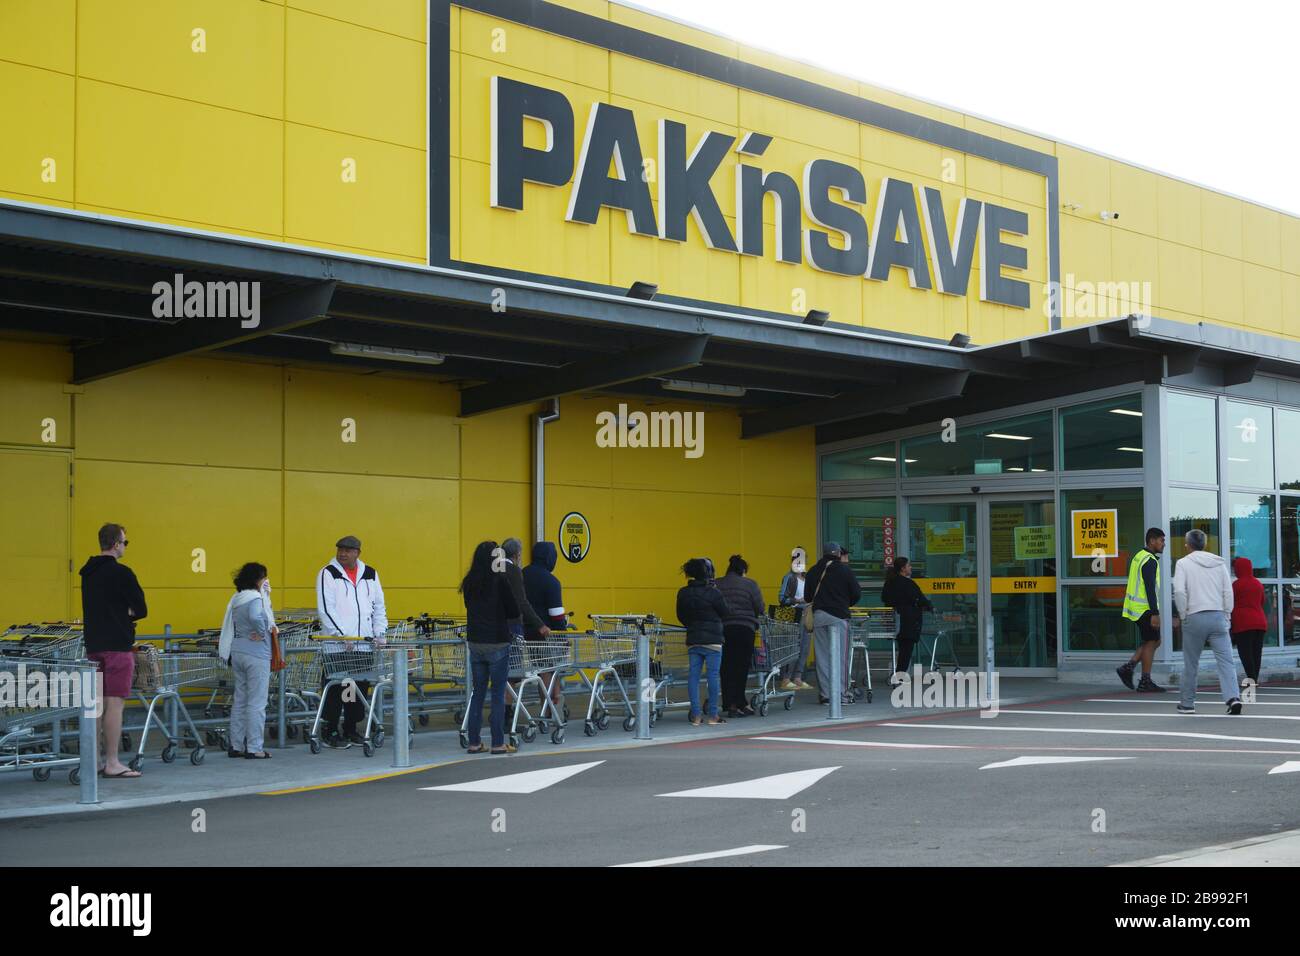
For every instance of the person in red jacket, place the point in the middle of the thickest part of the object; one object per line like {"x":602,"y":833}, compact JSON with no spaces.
{"x":1248,"y":620}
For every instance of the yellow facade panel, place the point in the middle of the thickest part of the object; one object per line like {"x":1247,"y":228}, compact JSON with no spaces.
{"x":1261,"y":235}
{"x":790,"y":289}
{"x":1221,"y":218}
{"x":1262,"y":298}
{"x":453,"y":97}
{"x":353,"y":191}
{"x":497,"y":446}
{"x":492,"y":511}
{"x":803,"y":71}
{"x":211,"y":51}
{"x":572,"y":456}
{"x":190,"y":224}
{"x":35,"y":512}
{"x":238,"y":403}
{"x":1223,"y":296}
{"x":689,"y":269}
{"x":824,"y":132}
{"x":343,"y":78}
{"x":708,"y":464}
{"x":920,"y":107}
{"x":1290,"y":305}
{"x":674,"y":526}
{"x":33,"y":406}
{"x":902,"y":154}
{"x":369,"y":425}
{"x":36,"y":150}
{"x":675,"y":91}
{"x":603,"y":565}
{"x":405,"y":18}
{"x":1133,"y":194}
{"x":39,"y":33}
{"x":1024,"y":188}
{"x":1085,"y":180}
{"x":1008,"y":135}
{"x":780,"y":465}
{"x":505,"y":42}
{"x":1085,"y":251}
{"x":1179,"y":284}
{"x":893,"y":304}
{"x":212,"y":165}
{"x":1290,"y":229}
{"x":1178,"y":212}
{"x":984,"y":176}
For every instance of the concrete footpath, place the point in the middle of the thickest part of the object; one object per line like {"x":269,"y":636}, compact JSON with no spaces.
{"x":1275,"y":849}
{"x":296,"y":768}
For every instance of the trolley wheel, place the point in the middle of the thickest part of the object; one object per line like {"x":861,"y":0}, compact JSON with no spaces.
{"x":514,"y":741}
{"x":600,"y":713}
{"x":197,"y":755}
{"x":530,"y":733}
{"x":859,"y":692}
{"x":589,"y":728}
{"x":379,"y":738}
{"x":74,"y":776}
{"x":368,"y":749}
{"x":789,"y":702}
{"x":314,"y":744}
{"x":602,"y":721}
{"x":41,"y":774}
{"x":544,"y":726}
{"x":222,"y":743}
{"x":868,"y":697}
{"x":136,"y":762}
{"x":629,"y":723}
{"x":464,"y":740}
{"x":424,"y":720}
{"x":762,"y":709}
{"x":557,"y":735}
{"x":169,"y":753}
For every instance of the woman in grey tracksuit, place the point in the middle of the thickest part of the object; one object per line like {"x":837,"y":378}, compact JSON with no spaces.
{"x":250,"y":660}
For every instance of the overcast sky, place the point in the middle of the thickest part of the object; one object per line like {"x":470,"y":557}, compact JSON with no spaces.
{"x":1203,"y":91}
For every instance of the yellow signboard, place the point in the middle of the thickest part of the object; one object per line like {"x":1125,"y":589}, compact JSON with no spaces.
{"x":1035,"y":542}
{"x":945,"y":537}
{"x":947,"y":585}
{"x":1095,"y":531}
{"x":1023,"y":585}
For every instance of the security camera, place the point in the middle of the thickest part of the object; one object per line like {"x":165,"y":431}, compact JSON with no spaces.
{"x":1107,"y":214}
{"x":974,"y":489}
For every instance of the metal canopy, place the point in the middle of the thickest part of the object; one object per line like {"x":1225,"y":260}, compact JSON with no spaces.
{"x":86,"y":280}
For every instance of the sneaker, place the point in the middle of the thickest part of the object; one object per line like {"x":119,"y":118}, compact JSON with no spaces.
{"x":789,"y":685}
{"x":803,"y":684}
{"x":1234,"y":706}
{"x":1147,"y":686}
{"x":335,"y":741}
{"x":1187,"y":708}
{"x":353,"y":737}
{"x":1125,"y":673}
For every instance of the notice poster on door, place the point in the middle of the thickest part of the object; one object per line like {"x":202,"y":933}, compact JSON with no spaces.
{"x":1095,"y":533}
{"x":1002,"y":525}
{"x":945,"y":537}
{"x":1035,"y":542}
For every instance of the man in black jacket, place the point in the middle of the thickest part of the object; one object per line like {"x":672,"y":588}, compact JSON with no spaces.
{"x":111,"y":602}
{"x":833,"y":588}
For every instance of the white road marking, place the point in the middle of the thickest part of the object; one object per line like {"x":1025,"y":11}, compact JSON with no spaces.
{"x":781,"y":786}
{"x":1146,"y":700}
{"x":694,"y":857}
{"x":1029,"y":761}
{"x":528,"y":782}
{"x":1291,"y":766}
{"x":1174,"y":714}
{"x":864,"y":743}
{"x":989,"y":725}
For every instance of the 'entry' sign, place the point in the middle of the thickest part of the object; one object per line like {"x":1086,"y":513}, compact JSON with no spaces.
{"x":1095,"y":531}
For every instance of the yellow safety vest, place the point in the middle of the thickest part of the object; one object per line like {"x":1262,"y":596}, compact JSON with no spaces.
{"x":1135,"y":595}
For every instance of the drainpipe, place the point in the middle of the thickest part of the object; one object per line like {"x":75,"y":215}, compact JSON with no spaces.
{"x":539,"y":467}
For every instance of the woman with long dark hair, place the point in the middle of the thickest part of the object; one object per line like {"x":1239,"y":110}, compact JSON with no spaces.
{"x":904,"y":596}
{"x":744,"y":608}
{"x":489,"y":607}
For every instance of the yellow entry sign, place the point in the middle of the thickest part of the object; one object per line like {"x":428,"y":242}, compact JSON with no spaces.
{"x":947,"y":585}
{"x":1023,"y":585}
{"x":1095,"y":531}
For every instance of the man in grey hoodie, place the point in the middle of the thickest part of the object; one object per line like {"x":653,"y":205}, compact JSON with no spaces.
{"x":1203,"y":594}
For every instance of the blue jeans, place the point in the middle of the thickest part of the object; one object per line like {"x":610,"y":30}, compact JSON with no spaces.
{"x":492,"y":664}
{"x":702,"y":657}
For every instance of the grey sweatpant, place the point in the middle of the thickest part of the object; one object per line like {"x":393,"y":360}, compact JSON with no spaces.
{"x":248,"y":713}
{"x":1199,"y":628}
{"x":823,"y":626}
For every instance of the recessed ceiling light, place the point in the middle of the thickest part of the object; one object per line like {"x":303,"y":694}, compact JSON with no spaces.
{"x":1125,"y":448}
{"x":1125,"y":411}
{"x":1012,"y":437}
{"x":881,"y":458}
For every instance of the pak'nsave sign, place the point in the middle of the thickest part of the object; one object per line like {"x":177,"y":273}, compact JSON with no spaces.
{"x":858,"y":228}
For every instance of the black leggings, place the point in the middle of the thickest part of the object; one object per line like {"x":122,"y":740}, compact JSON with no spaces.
{"x":1250,"y":645}
{"x":905,"y":646}
{"x":737,"y":655}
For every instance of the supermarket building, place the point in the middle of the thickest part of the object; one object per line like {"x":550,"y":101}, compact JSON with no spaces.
{"x":274,"y":271}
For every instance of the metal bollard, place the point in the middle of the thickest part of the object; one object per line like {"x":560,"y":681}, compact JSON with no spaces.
{"x":281,"y":723}
{"x":401,"y":709}
{"x":173,"y":713}
{"x":644,"y":687}
{"x":836,"y":706}
{"x":88,"y":769}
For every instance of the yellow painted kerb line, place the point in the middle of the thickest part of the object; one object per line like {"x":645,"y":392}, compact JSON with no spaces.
{"x":357,"y":780}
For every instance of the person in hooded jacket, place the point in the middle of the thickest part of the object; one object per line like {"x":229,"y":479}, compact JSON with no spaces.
{"x":349,"y":603}
{"x":1249,"y":621}
{"x":111,"y":602}
{"x":701,"y":609}
{"x":1203,"y":594}
{"x":545,"y":596}
{"x":904,"y":596}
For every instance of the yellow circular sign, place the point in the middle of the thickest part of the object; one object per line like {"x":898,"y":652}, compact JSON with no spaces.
{"x":575,"y":537}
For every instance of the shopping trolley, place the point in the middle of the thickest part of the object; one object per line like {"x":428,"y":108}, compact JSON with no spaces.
{"x":437,"y":664}
{"x":345,"y":661}
{"x":601,"y":659}
{"x":669,"y":659}
{"x":870,"y":624}
{"x":55,"y":641}
{"x":178,"y":672}
{"x":31,"y":731}
{"x":301,"y":675}
{"x":781,"y":643}
{"x":939,"y":628}
{"x":532,"y":663}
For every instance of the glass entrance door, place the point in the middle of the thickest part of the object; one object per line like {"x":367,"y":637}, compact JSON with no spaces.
{"x":1021,"y":583}
{"x":943,"y":548}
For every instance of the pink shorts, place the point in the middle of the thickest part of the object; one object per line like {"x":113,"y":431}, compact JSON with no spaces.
{"x":118,"y":668}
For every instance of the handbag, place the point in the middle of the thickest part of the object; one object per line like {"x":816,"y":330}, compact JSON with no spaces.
{"x":277,"y":661}
{"x":808,"y":608}
{"x":148,"y":669}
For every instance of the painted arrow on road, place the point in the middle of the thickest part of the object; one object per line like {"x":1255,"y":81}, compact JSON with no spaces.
{"x":781,"y":786}
{"x":529,"y":782}
{"x":1291,"y":766}
{"x":1030,"y":761}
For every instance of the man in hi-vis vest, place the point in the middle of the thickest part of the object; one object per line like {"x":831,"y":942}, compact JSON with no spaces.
{"x":1142,"y":606}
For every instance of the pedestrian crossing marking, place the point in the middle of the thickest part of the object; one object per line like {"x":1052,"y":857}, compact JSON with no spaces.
{"x":529,"y":782}
{"x":1028,"y":761}
{"x":1291,"y":766}
{"x":781,"y":786}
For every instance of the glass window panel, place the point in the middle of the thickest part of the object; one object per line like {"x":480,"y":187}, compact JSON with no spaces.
{"x":1290,"y":537}
{"x":1127,"y":502}
{"x":1190,"y":431}
{"x":1012,"y":446}
{"x":1250,"y":445}
{"x":861,"y":525}
{"x":1102,"y":434}
{"x":1192,"y":508}
{"x":858,"y":464}
{"x":1251,"y":530}
{"x":1288,"y":449}
{"x":1093,"y":621}
{"x":1290,"y":624}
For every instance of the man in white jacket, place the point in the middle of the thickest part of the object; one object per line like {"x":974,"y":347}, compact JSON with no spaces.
{"x":349,"y":603}
{"x":1203,"y":595}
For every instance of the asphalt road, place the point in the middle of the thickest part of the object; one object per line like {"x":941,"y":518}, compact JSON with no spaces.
{"x":915,"y":791}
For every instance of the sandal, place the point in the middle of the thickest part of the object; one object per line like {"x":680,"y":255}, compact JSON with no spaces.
{"x":477,"y":749}
{"x":125,"y":774}
{"x":697,"y":720}
{"x":260,"y":756}
{"x":507,"y":749}
{"x":717,"y":720}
